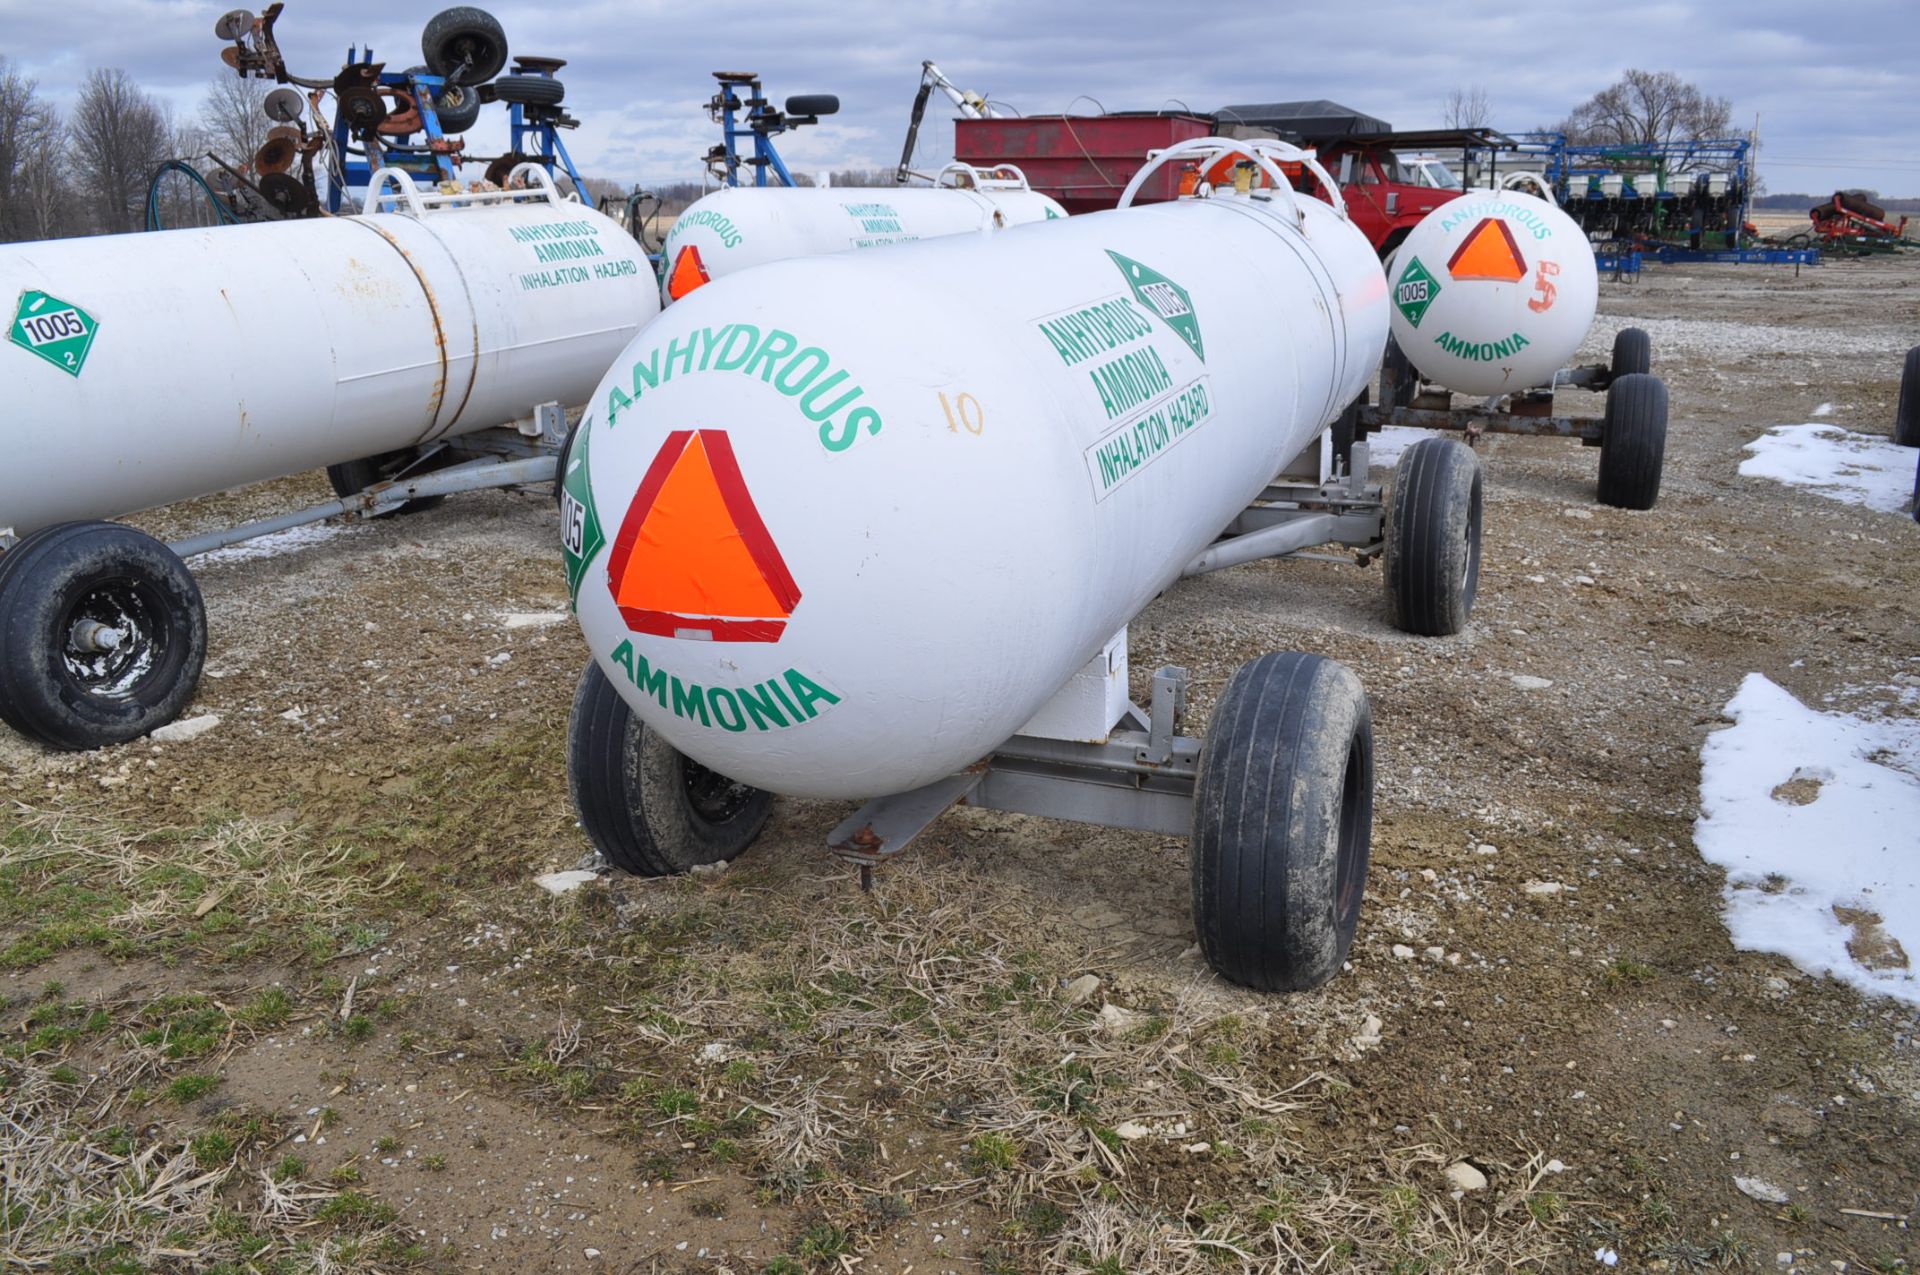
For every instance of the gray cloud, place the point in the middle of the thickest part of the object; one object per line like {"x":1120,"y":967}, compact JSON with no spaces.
{"x":1831,"y":92}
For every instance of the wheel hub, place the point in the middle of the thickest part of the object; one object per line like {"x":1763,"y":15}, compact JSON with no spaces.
{"x":112,"y":640}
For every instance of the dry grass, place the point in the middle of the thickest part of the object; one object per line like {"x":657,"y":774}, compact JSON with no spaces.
{"x":81,"y":1194}
{"x":922,"y":1005}
{"x":225,"y":888}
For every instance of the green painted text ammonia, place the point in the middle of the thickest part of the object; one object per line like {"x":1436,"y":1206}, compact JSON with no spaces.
{"x":775,"y":704}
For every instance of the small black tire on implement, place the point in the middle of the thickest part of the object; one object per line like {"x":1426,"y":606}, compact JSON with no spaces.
{"x":1906,"y":414}
{"x":1432,"y":553}
{"x":1283,"y":822}
{"x":529,"y":90}
{"x":350,"y":478}
{"x":455,"y":106}
{"x":1634,"y":444}
{"x":464,"y":44}
{"x":102,"y":635}
{"x":646,"y":806}
{"x":1632,"y":352}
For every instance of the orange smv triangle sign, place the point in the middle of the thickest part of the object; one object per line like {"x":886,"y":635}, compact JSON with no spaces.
{"x":688,"y":273}
{"x":693,"y":559}
{"x":1489,"y":252}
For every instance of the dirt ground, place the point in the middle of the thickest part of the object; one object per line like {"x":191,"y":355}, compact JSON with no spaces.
{"x":286,"y":996}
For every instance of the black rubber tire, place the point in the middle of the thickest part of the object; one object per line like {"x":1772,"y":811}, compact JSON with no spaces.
{"x":1906,"y":412}
{"x":465,"y":44}
{"x":1283,"y":822}
{"x":813,"y":104}
{"x":115,"y":575}
{"x":1346,"y":430}
{"x":649,"y":808}
{"x":350,"y":478}
{"x":529,"y":90}
{"x":1634,"y":446}
{"x":1632,"y":352}
{"x":457,"y":107}
{"x":1433,"y":537}
{"x":1401,"y":381}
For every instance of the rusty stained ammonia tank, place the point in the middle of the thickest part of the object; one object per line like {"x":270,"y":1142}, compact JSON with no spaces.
{"x":149,"y":368}
{"x":1493,"y":292}
{"x":839,"y":526}
{"x":741,"y":226}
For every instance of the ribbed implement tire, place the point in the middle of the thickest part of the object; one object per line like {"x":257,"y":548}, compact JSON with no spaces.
{"x":1632,"y":352}
{"x":646,"y":806}
{"x":1634,"y":446}
{"x":1283,"y":822}
{"x":1906,"y":416}
{"x":529,"y":90}
{"x":351,"y":477}
{"x":464,"y":44}
{"x":116,"y":576}
{"x":1433,"y":537}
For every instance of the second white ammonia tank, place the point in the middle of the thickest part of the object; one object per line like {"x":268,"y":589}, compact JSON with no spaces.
{"x":737,"y":227}
{"x":148,"y":368}
{"x":1493,"y":292}
{"x":839,"y":527}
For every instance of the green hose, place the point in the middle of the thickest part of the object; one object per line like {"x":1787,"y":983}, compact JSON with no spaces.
{"x":181,"y":166}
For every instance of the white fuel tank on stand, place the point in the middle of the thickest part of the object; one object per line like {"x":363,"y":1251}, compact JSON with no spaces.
{"x":840,"y":526}
{"x":149,"y":368}
{"x":741,"y":226}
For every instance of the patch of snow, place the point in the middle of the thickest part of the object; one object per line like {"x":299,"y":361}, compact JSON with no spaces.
{"x":531,"y":619}
{"x":185,"y":729}
{"x":1825,"y":409}
{"x":1860,"y":469}
{"x":1816,"y":818}
{"x":288,"y":541}
{"x":562,"y":882}
{"x":1385,"y":444}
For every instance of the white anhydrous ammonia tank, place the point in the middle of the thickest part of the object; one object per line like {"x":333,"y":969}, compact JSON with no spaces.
{"x":741,"y":226}
{"x":1493,"y":292}
{"x":148,"y":368}
{"x":840,"y":526}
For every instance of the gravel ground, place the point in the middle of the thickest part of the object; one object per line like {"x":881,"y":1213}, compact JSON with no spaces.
{"x":1541,"y":973}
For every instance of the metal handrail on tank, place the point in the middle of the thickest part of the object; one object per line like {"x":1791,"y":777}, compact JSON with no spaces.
{"x":984,"y":178}
{"x":1267,"y":155}
{"x":419,"y":202}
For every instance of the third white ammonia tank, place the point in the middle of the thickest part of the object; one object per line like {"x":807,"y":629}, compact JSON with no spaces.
{"x":740,"y":226}
{"x":147,"y":368}
{"x":842,"y":525}
{"x":1493,"y":292}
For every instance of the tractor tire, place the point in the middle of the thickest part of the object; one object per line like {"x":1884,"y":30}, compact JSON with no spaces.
{"x":466,"y":45}
{"x":1433,"y":537}
{"x":1906,"y":414}
{"x":646,"y":806}
{"x":1632,"y":352}
{"x":1283,"y":822}
{"x":529,"y":90}
{"x":102,"y":635}
{"x":1634,"y":446}
{"x":350,"y":478}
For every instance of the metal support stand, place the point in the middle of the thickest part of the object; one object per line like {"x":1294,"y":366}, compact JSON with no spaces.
{"x":1141,"y":776}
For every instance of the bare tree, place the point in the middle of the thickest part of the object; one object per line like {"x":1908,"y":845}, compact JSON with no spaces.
{"x":1648,"y":106}
{"x":29,"y":145}
{"x":233,"y":117}
{"x":1468,"y":108}
{"x":118,"y":136}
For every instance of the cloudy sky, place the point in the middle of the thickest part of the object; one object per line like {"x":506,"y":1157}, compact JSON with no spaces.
{"x":1834,"y":87}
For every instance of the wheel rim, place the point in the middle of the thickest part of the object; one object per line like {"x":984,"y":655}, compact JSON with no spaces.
{"x":114,"y":640}
{"x":713,"y":796}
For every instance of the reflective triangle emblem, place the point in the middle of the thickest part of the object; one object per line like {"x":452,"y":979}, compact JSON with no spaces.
{"x":688,"y":273}
{"x":1489,"y":252}
{"x":693,"y":558}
